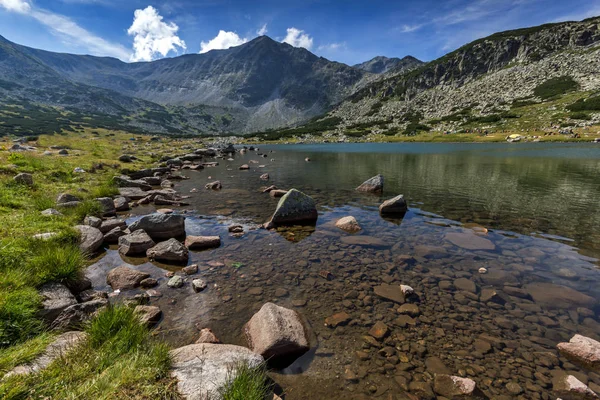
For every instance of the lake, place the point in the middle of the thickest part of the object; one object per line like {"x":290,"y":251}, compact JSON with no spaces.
{"x":500,"y":243}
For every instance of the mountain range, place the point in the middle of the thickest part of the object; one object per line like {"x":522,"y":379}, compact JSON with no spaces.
{"x":265,"y":85}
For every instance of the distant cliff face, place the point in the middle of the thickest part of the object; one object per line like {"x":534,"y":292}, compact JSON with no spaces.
{"x":382,"y":65}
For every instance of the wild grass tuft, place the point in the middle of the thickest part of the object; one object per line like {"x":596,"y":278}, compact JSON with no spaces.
{"x":57,"y":263}
{"x":246,"y":383}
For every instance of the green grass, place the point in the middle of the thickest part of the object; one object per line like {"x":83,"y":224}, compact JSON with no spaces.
{"x":555,"y":87}
{"x":589,"y":104}
{"x":119,"y":360}
{"x":247,"y":383}
{"x":23,"y":353}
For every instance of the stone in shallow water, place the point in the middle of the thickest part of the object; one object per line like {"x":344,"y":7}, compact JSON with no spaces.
{"x":207,"y":336}
{"x":582,"y":350}
{"x":366,"y":241}
{"x":469,"y":241}
{"x":277,"y":334}
{"x":348,"y":224}
{"x":125,"y":278}
{"x":171,"y":250}
{"x":338,"y":319}
{"x":201,"y":369}
{"x":137,"y":242}
{"x":557,"y":296}
{"x":372,"y":185}
{"x":396,"y":205}
{"x":202,"y":242}
{"x":294,"y":207}
{"x":379,"y":331}
{"x":390,"y":292}
{"x":453,"y":386}
{"x":570,"y":388}
{"x":149,"y":315}
{"x":175,"y":282}
{"x":465,"y":284}
{"x":161,"y":226}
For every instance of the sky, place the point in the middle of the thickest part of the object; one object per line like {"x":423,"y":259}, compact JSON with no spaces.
{"x":348,"y":31}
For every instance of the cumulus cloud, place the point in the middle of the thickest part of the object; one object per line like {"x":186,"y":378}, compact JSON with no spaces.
{"x":20,"y":6}
{"x":152,"y":37}
{"x":262,"y":31}
{"x":298,"y":38}
{"x":67,"y":29}
{"x":223,"y":40}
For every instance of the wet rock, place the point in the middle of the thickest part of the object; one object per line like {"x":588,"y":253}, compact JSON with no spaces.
{"x":557,"y":296}
{"x":149,"y":315}
{"x":372,"y":185}
{"x":133,"y":193}
{"x":409,"y":309}
{"x":216,"y":185}
{"x":175,"y":282}
{"x":202,"y":242}
{"x":122,"y":278}
{"x":277,"y":193}
{"x":58,"y":348}
{"x":365,"y":241}
{"x":339,"y":319}
{"x":348,"y":224}
{"x":190,"y":269}
{"x":435,"y":365}
{"x":514,"y":388}
{"x":454,"y":387}
{"x":55,"y":298}
{"x":583,"y":351}
{"x":113,"y":236}
{"x":201,"y":369}
{"x":294,"y":207}
{"x":137,"y":242}
{"x":379,"y":331}
{"x":264,"y":177}
{"x":171,"y":250}
{"x":110,"y":224}
{"x":24,"y":179}
{"x":90,"y":239}
{"x":148,"y":283}
{"x":570,"y":388}
{"x":469,"y":241}
{"x":244,"y":167}
{"x":121,"y":203}
{"x":277,"y":334}
{"x":198,"y":285}
{"x":390,"y":292}
{"x":161,"y":226}
{"x":396,"y":205}
{"x":516,"y":292}
{"x":75,"y":316}
{"x":207,"y":336}
{"x":422,"y":390}
{"x":490,"y":294}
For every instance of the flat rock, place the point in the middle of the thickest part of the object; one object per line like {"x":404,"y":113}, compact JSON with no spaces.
{"x":133,"y":193}
{"x":362,"y":240}
{"x":338,"y":319}
{"x":137,"y":242}
{"x":372,"y":185}
{"x":465,"y":284}
{"x":121,"y":203}
{"x":202,"y":242}
{"x":277,"y":334}
{"x":201,"y":369}
{"x":161,"y":226}
{"x":557,"y":296}
{"x":390,"y":292}
{"x":110,"y":224}
{"x":56,"y":297}
{"x":90,"y":239}
{"x":583,"y":351}
{"x":171,"y":250}
{"x":469,"y":241}
{"x":125,"y":278}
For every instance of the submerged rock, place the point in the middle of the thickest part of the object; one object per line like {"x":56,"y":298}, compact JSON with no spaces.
{"x":558,"y":296}
{"x":171,"y":250}
{"x":348,"y":224}
{"x":582,"y":350}
{"x":396,"y":205}
{"x":161,"y":226}
{"x":390,"y":292}
{"x":277,"y":334}
{"x":454,"y":387}
{"x":469,"y":241}
{"x":202,"y":369}
{"x":570,"y":388}
{"x":372,"y":185}
{"x":294,"y":207}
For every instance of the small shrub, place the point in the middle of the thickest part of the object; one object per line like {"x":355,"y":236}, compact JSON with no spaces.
{"x":55,"y":262}
{"x":580,"y":115}
{"x":589,"y":104}
{"x":555,"y":87}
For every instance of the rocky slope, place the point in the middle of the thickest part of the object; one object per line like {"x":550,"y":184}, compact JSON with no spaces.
{"x":482,"y":77}
{"x":382,"y":65}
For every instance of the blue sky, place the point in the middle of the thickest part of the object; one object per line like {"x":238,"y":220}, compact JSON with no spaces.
{"x":347,"y":31}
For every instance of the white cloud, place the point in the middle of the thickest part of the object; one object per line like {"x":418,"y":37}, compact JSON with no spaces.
{"x":223,"y":40}
{"x":332,"y":46}
{"x":20,"y":6}
{"x":410,"y":28}
{"x":152,"y":37}
{"x":297,"y":38}
{"x":67,"y":29}
{"x":262,"y":31}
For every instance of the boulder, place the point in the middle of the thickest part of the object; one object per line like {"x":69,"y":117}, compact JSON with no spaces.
{"x":125,"y":158}
{"x":207,"y":336}
{"x":454,"y":387}
{"x":24,"y":179}
{"x":202,"y":242}
{"x":90,"y":239}
{"x":137,"y":242}
{"x":61,"y":345}
{"x":583,"y":351}
{"x":202,"y":369}
{"x":149,"y":315}
{"x":75,"y":316}
{"x":277,"y":334}
{"x":113,"y":235}
{"x":55,"y":298}
{"x":277,"y":193}
{"x":66,"y":198}
{"x":126,"y":182}
{"x":121,"y":203}
{"x":294,"y":207}
{"x":110,"y":224}
{"x":122,"y":278}
{"x":396,"y":205}
{"x":161,"y":226}
{"x":390,"y":292}
{"x":171,"y":250}
{"x":92,"y":221}
{"x":348,"y":224}
{"x":372,"y":185}
{"x":108,"y":206}
{"x":570,"y":388}
{"x":133,"y":193}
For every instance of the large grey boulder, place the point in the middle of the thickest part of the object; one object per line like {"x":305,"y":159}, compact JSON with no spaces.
{"x":277,"y":334}
{"x":125,"y":278}
{"x":133,"y":193}
{"x":372,"y":185}
{"x":108,"y":206}
{"x":55,"y":298}
{"x":124,"y":181}
{"x":90,"y":238}
{"x":171,"y":250}
{"x":58,"y":348}
{"x":75,"y":316}
{"x":121,"y":203}
{"x":112,"y":236}
{"x":396,"y":205}
{"x":24,"y":179}
{"x":202,"y":369}
{"x":294,"y":207}
{"x":137,"y":242}
{"x":582,"y":350}
{"x":161,"y":226}
{"x":110,"y":224}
